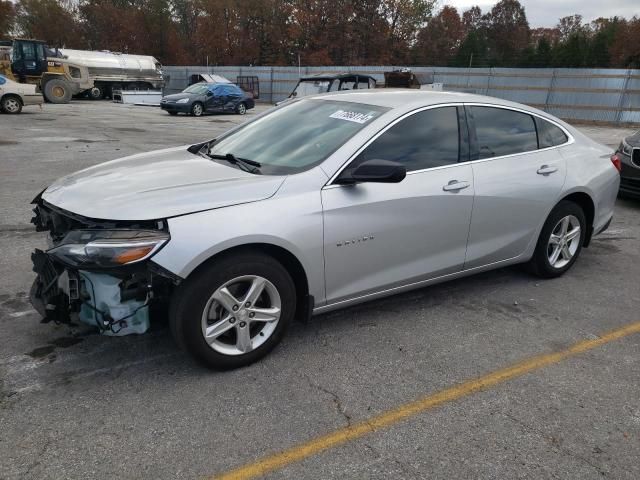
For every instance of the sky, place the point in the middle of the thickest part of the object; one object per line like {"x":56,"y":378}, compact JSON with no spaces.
{"x":545,"y":13}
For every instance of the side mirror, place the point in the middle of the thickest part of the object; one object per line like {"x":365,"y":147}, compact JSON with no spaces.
{"x":209,"y":93}
{"x":376,"y":171}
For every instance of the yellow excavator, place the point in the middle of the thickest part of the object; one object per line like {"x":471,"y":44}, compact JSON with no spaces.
{"x":31,"y":61}
{"x":62,"y":72}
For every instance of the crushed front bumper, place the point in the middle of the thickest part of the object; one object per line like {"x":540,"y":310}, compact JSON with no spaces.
{"x":114,"y":299}
{"x":46,"y":296}
{"x":116,"y":302}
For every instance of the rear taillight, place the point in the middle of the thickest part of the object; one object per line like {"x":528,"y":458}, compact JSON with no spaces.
{"x":615,"y":159}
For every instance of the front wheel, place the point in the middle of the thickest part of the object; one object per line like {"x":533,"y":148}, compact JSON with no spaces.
{"x":57,"y":90}
{"x":560,"y":241}
{"x":241,"y":109}
{"x":196,"y":109}
{"x":233,"y":311}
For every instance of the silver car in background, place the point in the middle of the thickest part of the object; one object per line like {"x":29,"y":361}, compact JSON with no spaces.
{"x":322,"y":203}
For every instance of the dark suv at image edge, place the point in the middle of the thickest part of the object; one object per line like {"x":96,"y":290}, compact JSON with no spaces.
{"x":628,"y":153}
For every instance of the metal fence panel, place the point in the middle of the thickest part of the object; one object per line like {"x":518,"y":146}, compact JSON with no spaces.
{"x":595,"y":95}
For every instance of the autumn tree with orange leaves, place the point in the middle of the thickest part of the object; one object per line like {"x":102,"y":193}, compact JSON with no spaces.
{"x":323,"y":32}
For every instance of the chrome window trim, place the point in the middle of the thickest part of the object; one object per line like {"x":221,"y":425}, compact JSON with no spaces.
{"x":570,"y":138}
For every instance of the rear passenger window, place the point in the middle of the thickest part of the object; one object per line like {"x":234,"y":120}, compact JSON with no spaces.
{"x":549,"y":135}
{"x":426,"y":139}
{"x":503,"y":132}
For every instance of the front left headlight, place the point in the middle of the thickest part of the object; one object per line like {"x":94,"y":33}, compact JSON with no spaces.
{"x":108,"y":248}
{"x":626,"y":148}
{"x":183,"y":100}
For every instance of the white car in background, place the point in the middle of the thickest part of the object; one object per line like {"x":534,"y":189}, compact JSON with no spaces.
{"x":14,"y":95}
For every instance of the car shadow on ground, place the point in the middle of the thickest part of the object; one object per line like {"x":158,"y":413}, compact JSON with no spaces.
{"x":627,"y":201}
{"x":77,"y":354}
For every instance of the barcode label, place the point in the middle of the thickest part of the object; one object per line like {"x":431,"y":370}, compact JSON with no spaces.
{"x":355,"y":117}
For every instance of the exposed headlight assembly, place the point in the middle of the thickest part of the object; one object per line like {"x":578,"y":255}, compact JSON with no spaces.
{"x":183,"y":100}
{"x":626,"y":148}
{"x":108,"y":248}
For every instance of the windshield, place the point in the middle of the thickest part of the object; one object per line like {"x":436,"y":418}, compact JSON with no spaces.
{"x":198,"y":88}
{"x":298,"y":136}
{"x":311,"y":87}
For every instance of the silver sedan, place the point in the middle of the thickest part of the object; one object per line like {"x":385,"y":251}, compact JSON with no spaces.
{"x":322,"y":203}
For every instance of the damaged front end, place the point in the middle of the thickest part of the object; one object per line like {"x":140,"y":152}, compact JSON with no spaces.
{"x":97,"y":271}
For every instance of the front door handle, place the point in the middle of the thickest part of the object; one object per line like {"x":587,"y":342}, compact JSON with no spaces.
{"x":455,"y":186}
{"x":547,"y":170}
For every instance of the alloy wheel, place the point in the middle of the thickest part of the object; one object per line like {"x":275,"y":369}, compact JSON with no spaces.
{"x":241,"y":315}
{"x":242,"y":109}
{"x":11,"y":105}
{"x":196,"y":110}
{"x":564,"y":241}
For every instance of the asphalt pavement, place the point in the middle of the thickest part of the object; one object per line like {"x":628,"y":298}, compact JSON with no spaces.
{"x":77,"y":405}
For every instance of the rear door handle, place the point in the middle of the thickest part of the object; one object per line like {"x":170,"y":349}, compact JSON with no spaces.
{"x":547,"y":170}
{"x":455,"y":186}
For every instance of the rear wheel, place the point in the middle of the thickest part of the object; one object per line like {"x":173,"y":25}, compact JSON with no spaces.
{"x":11,"y":104}
{"x":96,"y":93}
{"x":233,"y":311}
{"x":57,"y":90}
{"x":560,"y":241}
{"x":196,"y":109}
{"x":173,"y":113}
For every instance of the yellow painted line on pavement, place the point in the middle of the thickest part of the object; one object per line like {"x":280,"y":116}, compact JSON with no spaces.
{"x":391,"y":417}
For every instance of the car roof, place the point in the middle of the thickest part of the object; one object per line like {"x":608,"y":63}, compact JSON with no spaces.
{"x":211,"y":86}
{"x":334,"y":75}
{"x":408,"y":99}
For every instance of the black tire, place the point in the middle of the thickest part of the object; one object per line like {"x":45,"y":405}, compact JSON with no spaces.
{"x":57,"y":90}
{"x":96,"y":93}
{"x":197,"y":109}
{"x":172,"y":113}
{"x":540,"y":264}
{"x":190,"y":300}
{"x":241,"y":109}
{"x":11,"y":104}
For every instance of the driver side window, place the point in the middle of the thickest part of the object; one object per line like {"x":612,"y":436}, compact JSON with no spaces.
{"x":425,"y":139}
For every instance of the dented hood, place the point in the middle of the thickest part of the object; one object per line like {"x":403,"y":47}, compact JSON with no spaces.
{"x":155,"y":185}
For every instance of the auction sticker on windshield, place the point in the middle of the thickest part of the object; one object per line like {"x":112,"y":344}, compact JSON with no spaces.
{"x":355,"y":117}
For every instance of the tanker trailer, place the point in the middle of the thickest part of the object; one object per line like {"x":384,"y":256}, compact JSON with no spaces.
{"x":116,"y":71}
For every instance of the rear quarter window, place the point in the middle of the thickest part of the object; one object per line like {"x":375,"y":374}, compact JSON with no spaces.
{"x":549,"y":135}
